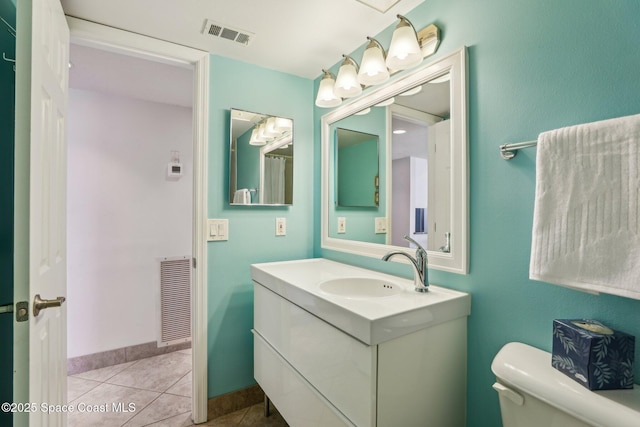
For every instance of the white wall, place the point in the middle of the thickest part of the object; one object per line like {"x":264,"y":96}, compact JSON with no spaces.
{"x":123,"y":214}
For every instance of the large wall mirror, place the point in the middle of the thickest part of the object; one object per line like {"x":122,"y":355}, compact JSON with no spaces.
{"x":260,"y":159}
{"x":419,"y":125}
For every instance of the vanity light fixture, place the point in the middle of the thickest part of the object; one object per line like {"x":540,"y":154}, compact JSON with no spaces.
{"x":284,"y":125}
{"x":404,"y":50}
{"x":347,"y":85}
{"x":407,"y":50}
{"x":255,"y":139}
{"x":326,"y":97}
{"x":373,"y":69}
{"x":270,"y":128}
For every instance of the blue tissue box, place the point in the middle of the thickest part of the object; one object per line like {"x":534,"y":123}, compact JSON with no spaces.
{"x":592,"y":354}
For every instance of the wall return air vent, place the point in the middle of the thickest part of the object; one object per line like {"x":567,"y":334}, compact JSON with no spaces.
{"x":215,"y":29}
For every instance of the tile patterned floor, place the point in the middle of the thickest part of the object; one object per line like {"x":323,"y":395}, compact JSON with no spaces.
{"x":157,"y":388}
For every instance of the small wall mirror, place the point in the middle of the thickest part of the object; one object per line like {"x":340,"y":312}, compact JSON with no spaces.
{"x":260,"y":159}
{"x":421,"y":191}
{"x":357,"y":168}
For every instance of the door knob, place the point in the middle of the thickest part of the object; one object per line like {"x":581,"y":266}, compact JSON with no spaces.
{"x":41,"y":304}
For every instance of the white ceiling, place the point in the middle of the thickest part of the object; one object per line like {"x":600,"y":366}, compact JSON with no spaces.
{"x":299,"y":37}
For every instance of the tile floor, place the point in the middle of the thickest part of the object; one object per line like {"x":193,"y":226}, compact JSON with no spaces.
{"x":151,"y":392}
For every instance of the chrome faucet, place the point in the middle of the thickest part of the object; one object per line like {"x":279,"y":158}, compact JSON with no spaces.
{"x":421,"y":273}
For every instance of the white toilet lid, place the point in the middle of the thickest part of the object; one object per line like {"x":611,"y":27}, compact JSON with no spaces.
{"x":529,"y":370}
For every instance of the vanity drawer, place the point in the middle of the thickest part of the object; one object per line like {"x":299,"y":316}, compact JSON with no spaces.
{"x":295,"y":399}
{"x":340,"y":367}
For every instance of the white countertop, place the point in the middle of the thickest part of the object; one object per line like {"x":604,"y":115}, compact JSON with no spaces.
{"x":370,"y":320}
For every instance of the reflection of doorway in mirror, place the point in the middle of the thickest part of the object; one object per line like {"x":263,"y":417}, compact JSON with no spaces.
{"x":409,"y":175}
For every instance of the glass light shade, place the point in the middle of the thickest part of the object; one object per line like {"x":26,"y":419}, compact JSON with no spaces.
{"x":326,"y":97}
{"x":347,"y":85}
{"x":283,"y":125}
{"x":404,"y":51}
{"x":254,"y":138}
{"x":262,"y":136}
{"x":363,"y":112}
{"x":373,"y":69}
{"x":270,"y":128}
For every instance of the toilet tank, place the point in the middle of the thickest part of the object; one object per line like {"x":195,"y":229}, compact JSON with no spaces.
{"x":533,"y":394}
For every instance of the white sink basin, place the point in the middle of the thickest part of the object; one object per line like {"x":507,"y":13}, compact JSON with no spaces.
{"x":371,"y":306}
{"x":360,"y":287}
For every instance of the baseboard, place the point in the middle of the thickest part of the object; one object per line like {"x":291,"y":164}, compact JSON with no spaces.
{"x":234,"y":401}
{"x":89,"y":362}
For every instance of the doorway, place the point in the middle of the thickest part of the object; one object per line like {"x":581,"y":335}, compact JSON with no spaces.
{"x":129,"y":212}
{"x":116,"y":41}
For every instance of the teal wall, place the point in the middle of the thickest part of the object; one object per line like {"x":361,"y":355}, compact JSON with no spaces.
{"x":252,"y":237}
{"x":533,"y":66}
{"x":248,"y":163}
{"x":7,"y":117}
{"x":357,"y":170}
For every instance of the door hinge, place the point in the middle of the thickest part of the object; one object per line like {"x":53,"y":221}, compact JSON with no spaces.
{"x":22,"y":311}
{"x":194,"y":262}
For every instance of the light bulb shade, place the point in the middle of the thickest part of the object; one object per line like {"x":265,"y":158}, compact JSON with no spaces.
{"x":254,"y":138}
{"x":347,"y":85}
{"x":326,"y":97}
{"x":373,"y":69}
{"x":261,"y":135}
{"x":404,"y":51}
{"x":284,"y":125}
{"x":270,"y":128}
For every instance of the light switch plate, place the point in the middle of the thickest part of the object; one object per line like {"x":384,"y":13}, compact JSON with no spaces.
{"x":281,"y":226}
{"x":381,"y":225}
{"x":342,"y":225}
{"x":217,"y":230}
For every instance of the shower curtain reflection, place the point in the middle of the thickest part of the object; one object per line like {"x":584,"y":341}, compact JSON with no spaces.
{"x":274,"y":178}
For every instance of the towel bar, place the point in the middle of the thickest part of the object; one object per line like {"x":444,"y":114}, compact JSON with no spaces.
{"x":509,"y":151}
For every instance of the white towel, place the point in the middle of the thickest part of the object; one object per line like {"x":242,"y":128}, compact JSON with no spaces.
{"x":586,"y":222}
{"x":242,"y":197}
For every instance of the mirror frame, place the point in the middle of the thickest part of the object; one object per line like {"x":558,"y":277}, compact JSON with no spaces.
{"x":458,"y":260}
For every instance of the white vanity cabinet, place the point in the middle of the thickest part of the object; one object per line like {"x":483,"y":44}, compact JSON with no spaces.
{"x":318,"y":374}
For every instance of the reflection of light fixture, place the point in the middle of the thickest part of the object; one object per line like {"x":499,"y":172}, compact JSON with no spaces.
{"x":404,"y":51}
{"x":399,"y":131}
{"x":283,"y":125}
{"x":255,"y":140}
{"x":363,"y":112}
{"x":373,"y":69}
{"x":413,"y":91}
{"x":347,"y":84}
{"x":326,"y":97}
{"x":385,"y":102}
{"x":271,"y":129}
{"x":441,"y":79}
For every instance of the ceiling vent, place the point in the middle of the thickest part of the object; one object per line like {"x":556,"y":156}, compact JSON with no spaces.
{"x":216,"y":29}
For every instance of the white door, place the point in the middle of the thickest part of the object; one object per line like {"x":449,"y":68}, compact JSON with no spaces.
{"x":41,"y":107}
